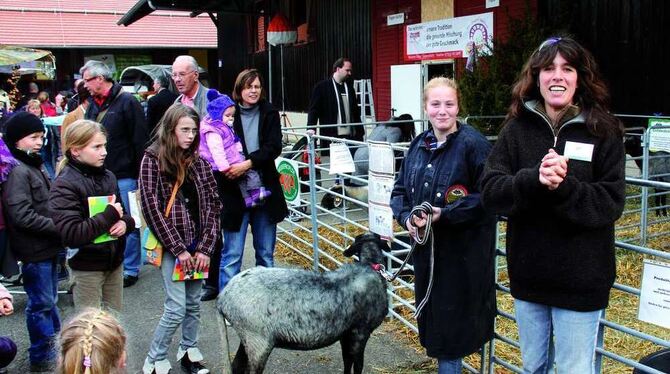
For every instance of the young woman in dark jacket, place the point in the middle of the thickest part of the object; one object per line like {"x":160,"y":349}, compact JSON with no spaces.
{"x":557,"y":173}
{"x":443,"y":167}
{"x":81,"y":175}
{"x":257,"y":125}
{"x":33,"y":237}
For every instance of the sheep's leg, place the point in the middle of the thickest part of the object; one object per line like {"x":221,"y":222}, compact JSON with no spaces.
{"x":258,"y":351}
{"x":347,"y":357}
{"x":353,"y":350}
{"x":662,"y":201}
{"x":241,"y":361}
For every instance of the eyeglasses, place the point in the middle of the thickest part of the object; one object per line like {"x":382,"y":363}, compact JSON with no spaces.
{"x":189,"y":131}
{"x":549,"y":42}
{"x":90,"y":79}
{"x":181,"y":75}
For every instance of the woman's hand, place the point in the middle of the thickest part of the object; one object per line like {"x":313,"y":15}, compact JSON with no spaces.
{"x":553,"y":170}
{"x":6,"y":307}
{"x":186,"y":261}
{"x":415,"y":225}
{"x":201,"y":261}
{"x":236,"y":170}
{"x":118,"y":229}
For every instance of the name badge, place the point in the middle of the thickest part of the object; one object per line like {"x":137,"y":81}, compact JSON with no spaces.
{"x":578,"y":151}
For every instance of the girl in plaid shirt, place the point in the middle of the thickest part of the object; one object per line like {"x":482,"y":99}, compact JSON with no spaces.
{"x":188,"y":233}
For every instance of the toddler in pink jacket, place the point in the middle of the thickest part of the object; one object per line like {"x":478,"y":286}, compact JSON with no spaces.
{"x":221,"y":147}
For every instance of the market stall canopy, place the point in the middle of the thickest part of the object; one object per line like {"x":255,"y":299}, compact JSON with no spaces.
{"x":28,"y":60}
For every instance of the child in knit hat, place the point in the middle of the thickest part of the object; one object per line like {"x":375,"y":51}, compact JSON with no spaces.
{"x":33,"y":236}
{"x":221,"y":147}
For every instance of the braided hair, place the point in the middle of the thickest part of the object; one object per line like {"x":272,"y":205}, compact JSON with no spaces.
{"x":93,"y":342}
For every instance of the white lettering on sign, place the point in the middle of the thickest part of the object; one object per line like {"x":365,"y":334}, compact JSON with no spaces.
{"x":659,"y":135}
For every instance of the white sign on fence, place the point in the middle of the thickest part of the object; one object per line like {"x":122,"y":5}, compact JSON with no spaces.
{"x":659,"y":139}
{"x":381,"y":219}
{"x":449,"y":38}
{"x":655,"y":293}
{"x":340,"y":159}
{"x":379,"y":188}
{"x":381,"y":158}
{"x":381,"y":161}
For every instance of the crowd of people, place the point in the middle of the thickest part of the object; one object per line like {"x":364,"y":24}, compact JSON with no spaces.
{"x":204,"y":165}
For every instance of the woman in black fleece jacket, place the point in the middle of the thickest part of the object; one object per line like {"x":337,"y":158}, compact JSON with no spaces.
{"x":557,"y":173}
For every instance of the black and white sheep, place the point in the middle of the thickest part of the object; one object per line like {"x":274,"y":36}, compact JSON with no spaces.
{"x":304,"y":310}
{"x":659,"y":168}
{"x":330,"y":200}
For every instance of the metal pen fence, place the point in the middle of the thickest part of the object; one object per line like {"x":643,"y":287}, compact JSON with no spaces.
{"x":319,"y":234}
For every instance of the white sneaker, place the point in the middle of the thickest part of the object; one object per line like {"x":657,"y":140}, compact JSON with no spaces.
{"x":158,"y":367}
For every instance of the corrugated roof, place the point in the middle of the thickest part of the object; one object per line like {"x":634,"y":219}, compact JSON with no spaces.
{"x":66,"y":27}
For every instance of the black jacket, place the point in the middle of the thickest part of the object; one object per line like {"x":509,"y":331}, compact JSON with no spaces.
{"x":458,"y":318}
{"x":157,"y":105}
{"x":263,"y":160}
{"x":323,"y":108}
{"x":126,"y":131}
{"x":68,"y":204}
{"x":33,"y":236}
{"x":560,"y":243}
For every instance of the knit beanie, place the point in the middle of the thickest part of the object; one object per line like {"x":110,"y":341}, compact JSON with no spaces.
{"x":218,"y":103}
{"x":21,"y":125}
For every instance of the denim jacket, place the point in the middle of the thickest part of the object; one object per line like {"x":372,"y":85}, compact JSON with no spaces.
{"x":458,"y":317}
{"x":451,"y":171}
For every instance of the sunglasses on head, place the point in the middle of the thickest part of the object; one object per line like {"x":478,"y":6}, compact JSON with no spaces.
{"x":549,"y":42}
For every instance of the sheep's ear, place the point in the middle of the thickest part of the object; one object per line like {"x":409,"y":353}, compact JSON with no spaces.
{"x":383,"y":245}
{"x":353,"y":249}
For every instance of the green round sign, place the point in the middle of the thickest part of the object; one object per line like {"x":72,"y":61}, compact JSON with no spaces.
{"x":288,"y":177}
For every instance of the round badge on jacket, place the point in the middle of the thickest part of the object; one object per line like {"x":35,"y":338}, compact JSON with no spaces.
{"x":455,"y":192}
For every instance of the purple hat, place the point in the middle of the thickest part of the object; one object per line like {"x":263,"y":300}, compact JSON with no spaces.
{"x":218,"y":103}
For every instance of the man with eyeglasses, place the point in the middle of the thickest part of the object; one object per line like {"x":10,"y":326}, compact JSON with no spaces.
{"x":127,"y":135}
{"x":191,"y":92}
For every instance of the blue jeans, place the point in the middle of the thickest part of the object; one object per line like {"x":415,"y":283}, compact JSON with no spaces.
{"x":445,"y":366}
{"x":132,"y":256}
{"x":40,"y":281}
{"x":264,"y":235}
{"x":574,"y":338}
{"x":182,"y":307}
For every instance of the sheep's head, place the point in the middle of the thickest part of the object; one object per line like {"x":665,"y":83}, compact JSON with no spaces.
{"x":368,"y":247}
{"x":330,"y":201}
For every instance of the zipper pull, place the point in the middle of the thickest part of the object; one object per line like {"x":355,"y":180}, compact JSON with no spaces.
{"x":555,"y":141}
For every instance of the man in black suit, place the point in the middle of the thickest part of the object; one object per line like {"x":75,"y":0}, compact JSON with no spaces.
{"x":333,"y":101}
{"x":160,"y":102}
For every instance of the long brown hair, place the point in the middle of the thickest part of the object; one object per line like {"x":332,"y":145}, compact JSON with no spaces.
{"x":172,"y":160}
{"x":591,"y":95}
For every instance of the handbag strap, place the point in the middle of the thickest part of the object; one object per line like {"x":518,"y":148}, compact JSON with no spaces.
{"x":171,"y":201}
